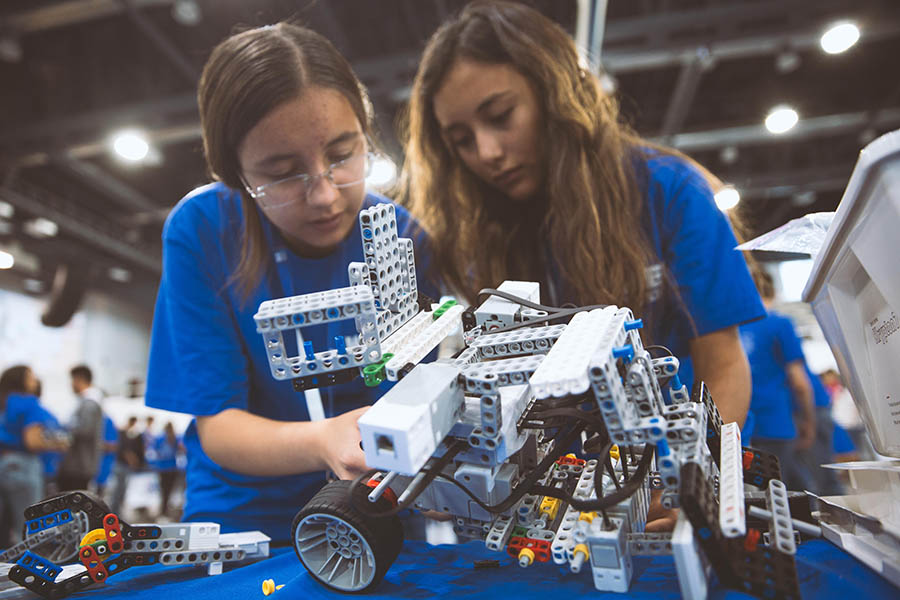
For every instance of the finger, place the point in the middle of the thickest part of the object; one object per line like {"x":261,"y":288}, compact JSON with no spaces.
{"x":660,"y":525}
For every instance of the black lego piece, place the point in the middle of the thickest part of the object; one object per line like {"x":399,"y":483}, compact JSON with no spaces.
{"x":700,"y":394}
{"x":325,"y":379}
{"x":424,"y":302}
{"x":78,"y":501}
{"x":763,"y":571}
{"x":763,"y":467}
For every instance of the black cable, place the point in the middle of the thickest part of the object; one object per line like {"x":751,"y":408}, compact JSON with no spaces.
{"x":623,"y":460}
{"x":430,"y":474}
{"x":513,"y":298}
{"x":628,"y":488}
{"x":612,"y":471}
{"x":658,"y":347}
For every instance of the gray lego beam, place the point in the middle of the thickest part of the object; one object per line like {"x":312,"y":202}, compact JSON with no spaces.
{"x":71,"y":221}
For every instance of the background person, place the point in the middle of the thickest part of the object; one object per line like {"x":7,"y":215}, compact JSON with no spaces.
{"x":82,"y":460}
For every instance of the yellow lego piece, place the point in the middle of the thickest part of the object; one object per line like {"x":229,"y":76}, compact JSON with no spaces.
{"x":614,"y":452}
{"x":550,"y":506}
{"x":95,"y":535}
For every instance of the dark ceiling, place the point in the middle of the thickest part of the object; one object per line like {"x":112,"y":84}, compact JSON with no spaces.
{"x":696,"y":74}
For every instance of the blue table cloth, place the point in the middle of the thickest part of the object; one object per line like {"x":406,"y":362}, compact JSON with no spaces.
{"x":423,"y":571}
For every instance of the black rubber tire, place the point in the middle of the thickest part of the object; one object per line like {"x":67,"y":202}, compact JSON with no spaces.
{"x":384,"y":535}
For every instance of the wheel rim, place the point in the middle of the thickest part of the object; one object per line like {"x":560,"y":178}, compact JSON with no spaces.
{"x":335,"y":552}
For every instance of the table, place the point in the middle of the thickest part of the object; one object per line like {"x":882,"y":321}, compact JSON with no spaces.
{"x":423,"y":571}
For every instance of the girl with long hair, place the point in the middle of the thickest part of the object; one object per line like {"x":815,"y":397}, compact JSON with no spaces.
{"x":518,"y":167}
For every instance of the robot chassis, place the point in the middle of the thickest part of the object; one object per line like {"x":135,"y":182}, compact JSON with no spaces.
{"x":484,"y":436}
{"x":78,"y":527}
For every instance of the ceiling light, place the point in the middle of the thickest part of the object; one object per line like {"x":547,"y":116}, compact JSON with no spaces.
{"x":7,"y":260}
{"x":839,"y":37}
{"x":383,"y":173}
{"x":34,"y":286}
{"x":119,"y":274}
{"x":781,"y":119}
{"x":727,"y":198}
{"x":6,"y":210}
{"x":787,"y":61}
{"x":187,"y":12}
{"x":40,"y":227}
{"x":131,"y":145}
{"x":729,"y":155}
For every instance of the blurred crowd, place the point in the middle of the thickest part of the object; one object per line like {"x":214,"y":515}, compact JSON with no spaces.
{"x":41,"y":457}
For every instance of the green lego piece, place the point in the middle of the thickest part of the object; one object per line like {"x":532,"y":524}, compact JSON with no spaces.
{"x":374,"y":374}
{"x":442,"y":309}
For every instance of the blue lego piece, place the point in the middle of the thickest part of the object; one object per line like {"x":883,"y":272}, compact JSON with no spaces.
{"x":662,"y":448}
{"x":46,"y":522}
{"x":341,"y":344}
{"x":626,"y":352}
{"x":635,"y":324}
{"x":308,"y":348}
{"x":39,"y":566}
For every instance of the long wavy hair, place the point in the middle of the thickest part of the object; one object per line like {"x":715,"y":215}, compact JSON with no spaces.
{"x":586,"y":225}
{"x":246,"y":77}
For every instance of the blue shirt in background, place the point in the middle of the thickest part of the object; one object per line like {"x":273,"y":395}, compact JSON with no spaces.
{"x":166,"y":453}
{"x":206,"y":356}
{"x":820,"y":394}
{"x":21,"y":412}
{"x":771,"y":344}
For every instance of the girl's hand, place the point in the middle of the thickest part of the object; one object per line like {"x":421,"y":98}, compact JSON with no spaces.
{"x":339,"y":444}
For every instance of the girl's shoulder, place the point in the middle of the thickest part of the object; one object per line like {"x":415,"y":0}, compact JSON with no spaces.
{"x":213,"y":206}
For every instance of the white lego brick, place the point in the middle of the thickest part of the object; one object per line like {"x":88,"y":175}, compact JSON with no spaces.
{"x":401,"y":336}
{"x":496,"y":312}
{"x":611,"y":565}
{"x":690,"y":564}
{"x":202,"y":535}
{"x":531,"y":340}
{"x":731,"y":483}
{"x":382,"y":250}
{"x":588,"y":334}
{"x":419,"y":345}
{"x":309,"y":309}
{"x":404,"y":427}
{"x":255,"y":544}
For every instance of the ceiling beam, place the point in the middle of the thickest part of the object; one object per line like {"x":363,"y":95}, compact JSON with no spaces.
{"x":791,"y":182}
{"x":685,"y":90}
{"x":72,"y":12}
{"x":628,"y":49}
{"x":811,"y":127}
{"x":105,"y":236}
{"x":184,"y":67}
{"x":105,"y":183}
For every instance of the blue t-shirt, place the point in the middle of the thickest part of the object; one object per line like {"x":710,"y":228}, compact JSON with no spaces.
{"x":50,"y":460}
{"x":771,"y":344}
{"x":820,"y":394}
{"x":166,"y":453}
{"x":21,"y":412}
{"x":206,"y":356}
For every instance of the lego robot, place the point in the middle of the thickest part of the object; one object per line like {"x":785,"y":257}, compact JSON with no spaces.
{"x":485,"y":436}
{"x":73,"y":541}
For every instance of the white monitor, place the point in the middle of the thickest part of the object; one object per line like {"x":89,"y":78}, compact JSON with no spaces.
{"x":854,"y":289}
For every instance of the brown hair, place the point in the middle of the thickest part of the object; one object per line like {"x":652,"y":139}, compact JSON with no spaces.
{"x":246,"y":77}
{"x":590,"y":217}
